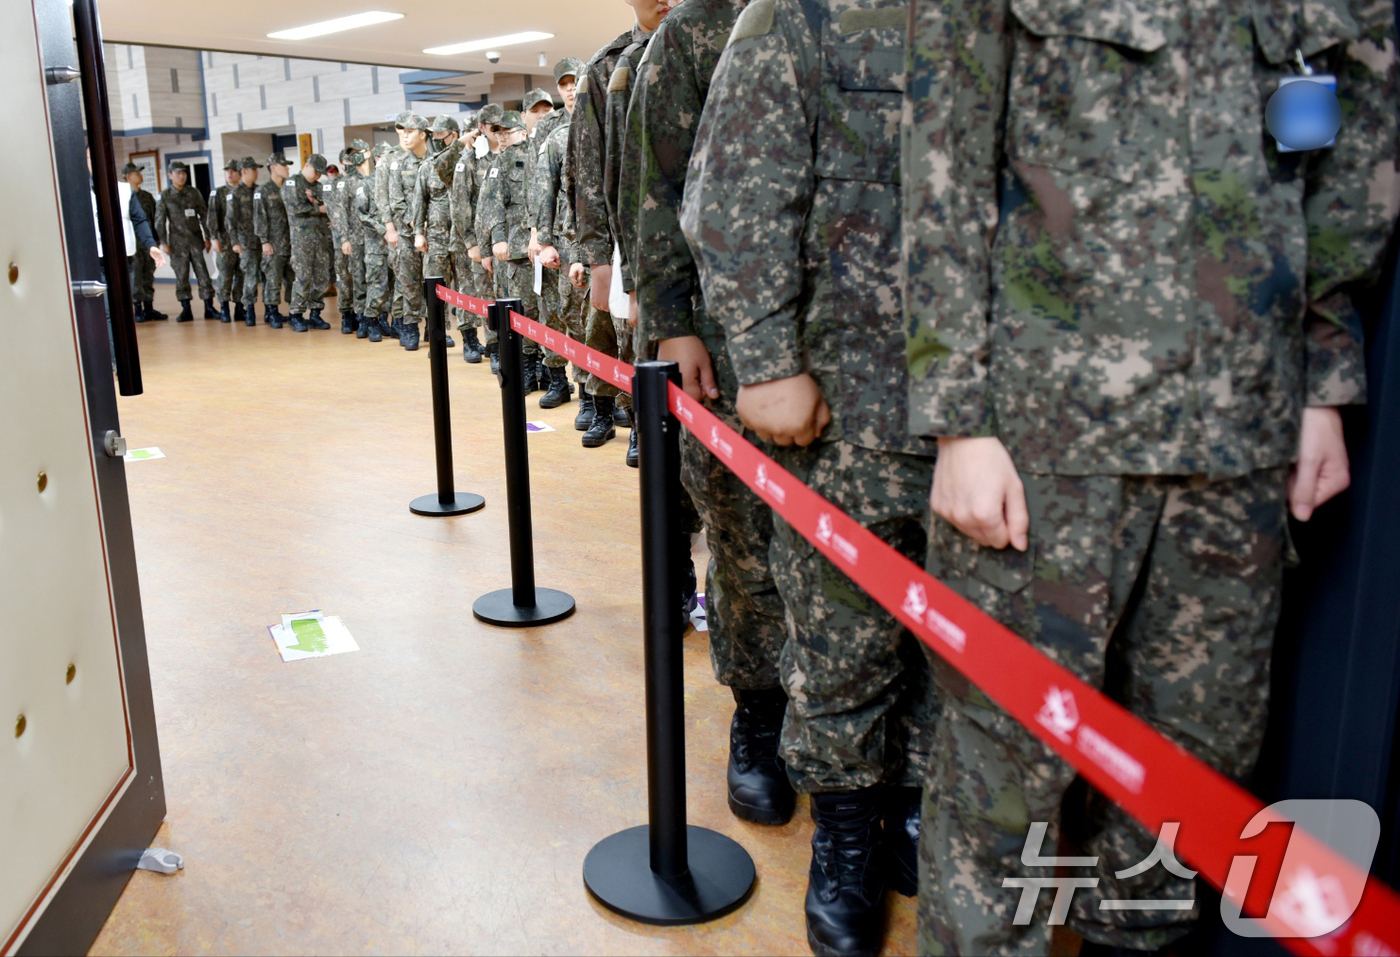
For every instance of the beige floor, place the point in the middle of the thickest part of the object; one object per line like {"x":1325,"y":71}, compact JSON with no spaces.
{"x":437,"y":791}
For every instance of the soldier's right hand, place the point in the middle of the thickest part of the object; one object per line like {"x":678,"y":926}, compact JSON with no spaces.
{"x":602,"y":286}
{"x":267,"y":249}
{"x":391,"y":235}
{"x":420,"y":243}
{"x":548,"y":257}
{"x":345,"y":248}
{"x":977,"y":489}
{"x":697,"y":372}
{"x":489,"y":265}
{"x":238,"y":250}
{"x":218,"y":246}
{"x":578,"y":275}
{"x":474,"y":254}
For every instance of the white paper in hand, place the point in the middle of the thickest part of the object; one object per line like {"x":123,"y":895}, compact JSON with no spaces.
{"x":539,"y":276}
{"x":617,"y":299}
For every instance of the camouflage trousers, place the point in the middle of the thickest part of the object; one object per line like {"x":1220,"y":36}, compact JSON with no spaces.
{"x":276,"y":276}
{"x":742,"y":605}
{"x":564,"y":309}
{"x":230,"y":284}
{"x":143,"y":276}
{"x":344,"y":282}
{"x":311,"y":265}
{"x":182,"y":257}
{"x":250,"y":261}
{"x":408,"y":281}
{"x":515,"y":279}
{"x":464,"y":282}
{"x":357,"y":276}
{"x":376,"y":284}
{"x":861,"y":706}
{"x":1164,"y":593}
{"x":612,"y":337}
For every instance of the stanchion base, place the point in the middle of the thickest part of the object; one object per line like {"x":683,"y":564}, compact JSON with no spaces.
{"x":499,"y":608}
{"x":463,"y":503}
{"x":618,"y":873}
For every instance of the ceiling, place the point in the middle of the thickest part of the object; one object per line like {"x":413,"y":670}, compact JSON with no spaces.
{"x":580,"y":28}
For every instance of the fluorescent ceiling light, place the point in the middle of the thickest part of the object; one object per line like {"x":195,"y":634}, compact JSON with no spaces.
{"x":335,"y":26}
{"x":473,"y":46}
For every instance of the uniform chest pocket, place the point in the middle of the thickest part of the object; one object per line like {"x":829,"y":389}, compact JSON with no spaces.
{"x":1084,"y":79}
{"x":860,"y":105}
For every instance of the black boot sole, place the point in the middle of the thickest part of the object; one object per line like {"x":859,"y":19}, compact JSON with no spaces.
{"x":756,"y":815}
{"x":599,"y":443}
{"x":821,"y":950}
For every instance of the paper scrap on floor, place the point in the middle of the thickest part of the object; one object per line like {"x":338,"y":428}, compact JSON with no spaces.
{"x":538,"y":427}
{"x":697,"y":615}
{"x":140,"y":455}
{"x":311,"y":635}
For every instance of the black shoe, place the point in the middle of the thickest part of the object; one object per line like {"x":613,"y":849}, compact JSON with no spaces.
{"x":447,"y":340}
{"x":138,"y":311}
{"x":297,"y":323}
{"x":493,"y":352}
{"x":153,"y":313}
{"x":376,"y":330}
{"x":620,"y":417}
{"x":601,"y":428}
{"x":471,"y":347}
{"x":558,"y":392}
{"x":408,"y":336}
{"x":250,"y":315}
{"x":585,"y":411}
{"x":240,"y":314}
{"x":273,"y":317}
{"x":532,"y":375}
{"x":759,"y":789}
{"x":348,"y":325}
{"x":316,"y":322}
{"x":186,"y":315}
{"x":903,"y":812}
{"x":226,"y":313}
{"x":362,"y":326}
{"x":845,"y":885}
{"x":209,"y":311}
{"x":392,"y":329}
{"x":634,"y":454}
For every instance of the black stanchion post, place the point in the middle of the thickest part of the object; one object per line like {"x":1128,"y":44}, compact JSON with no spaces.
{"x":665,"y":872}
{"x":447,"y":501}
{"x":522,"y":604}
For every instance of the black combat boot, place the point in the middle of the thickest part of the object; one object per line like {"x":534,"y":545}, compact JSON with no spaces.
{"x":846,"y":885}
{"x":226,"y":313}
{"x":601,"y":429}
{"x":532,"y":375}
{"x":272,"y":316}
{"x":493,"y":352}
{"x":558,"y":392}
{"x":408,"y":336}
{"x":471,"y":346}
{"x":634,"y":452}
{"x":348,"y":324}
{"x":759,"y":789}
{"x":394,"y":330}
{"x":620,"y":417}
{"x":376,"y":330}
{"x":209,"y":311}
{"x":585,"y":411}
{"x":186,"y":315}
{"x":138,"y":311}
{"x":240,"y":314}
{"x":316,"y":322}
{"x":362,"y":324}
{"x":447,"y":341}
{"x":387,"y":327}
{"x":250,"y":314}
{"x":297,"y":323}
{"x":153,"y":313}
{"x":903,"y":812}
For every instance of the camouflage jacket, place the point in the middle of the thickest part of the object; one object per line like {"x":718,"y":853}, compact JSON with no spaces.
{"x":333,"y":195}
{"x":351,"y":228}
{"x":241,"y":232}
{"x":381,"y":184}
{"x":221,"y":215}
{"x":504,"y":212}
{"x":668,"y":97}
{"x":270,"y":218}
{"x":366,"y":211}
{"x":182,"y":217}
{"x":1111,"y":266}
{"x":462,"y":202}
{"x":304,"y":212}
{"x":402,"y":178}
{"x":148,"y":206}
{"x":538,"y":136}
{"x":431,"y":204}
{"x":553,"y":218}
{"x":793,"y":214}
{"x":585,"y":163}
{"x":620,"y":153}
{"x":486,"y":173}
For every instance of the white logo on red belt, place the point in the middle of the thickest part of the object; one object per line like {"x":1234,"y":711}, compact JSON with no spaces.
{"x":721,"y":446}
{"x":592,"y":363}
{"x":569,"y":350}
{"x":621,"y":378}
{"x":1059,"y":714}
{"x":683,"y":412}
{"x":827,"y":535}
{"x":772,"y":488}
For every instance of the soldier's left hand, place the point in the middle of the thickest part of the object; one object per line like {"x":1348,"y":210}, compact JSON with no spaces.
{"x":345,"y":248}
{"x":696,"y":369}
{"x":789,"y":411}
{"x":501,"y":250}
{"x":632,"y":309}
{"x":1322,"y":469}
{"x":420,"y":243}
{"x":578,"y":275}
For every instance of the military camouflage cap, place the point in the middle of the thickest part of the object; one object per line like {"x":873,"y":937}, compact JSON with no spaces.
{"x":249,"y":163}
{"x":380,"y":149}
{"x":510,"y":120}
{"x":445,"y":124}
{"x":403,"y":118}
{"x":232,"y":165}
{"x":317,"y":162}
{"x":569,"y":66}
{"x":130,"y":168}
{"x":277,"y":159}
{"x":536,"y":96}
{"x":179,"y":167}
{"x":490,"y":114}
{"x":412,"y":121}
{"x":358,"y":144}
{"x":470,"y":119}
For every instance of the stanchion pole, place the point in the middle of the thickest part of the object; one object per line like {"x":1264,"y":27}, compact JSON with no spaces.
{"x":665,"y":872}
{"x":522,"y":604}
{"x":447,"y":501}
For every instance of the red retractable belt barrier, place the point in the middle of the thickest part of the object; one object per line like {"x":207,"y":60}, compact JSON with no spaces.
{"x":462,"y":301}
{"x":1149,"y":776}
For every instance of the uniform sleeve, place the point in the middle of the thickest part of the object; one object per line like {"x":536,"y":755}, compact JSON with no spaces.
{"x":260,"y":224}
{"x":141,"y":226}
{"x":589,"y":197}
{"x":751,"y":185}
{"x":1351,"y":202}
{"x":381,"y":190}
{"x":418,"y":202}
{"x":464,"y":205}
{"x":666,"y":109}
{"x":493,"y":209}
{"x":545,"y":183}
{"x":162,"y":215}
{"x":954,"y":107}
{"x":201,"y":212}
{"x":294,"y":198}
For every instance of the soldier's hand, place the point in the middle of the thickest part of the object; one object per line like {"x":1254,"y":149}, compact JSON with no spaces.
{"x":787,"y":411}
{"x":237,"y":249}
{"x":158,"y":256}
{"x":697,"y":372}
{"x":267,"y":249}
{"x":548,"y":257}
{"x":578,"y":275}
{"x":1322,"y":469}
{"x":976,"y":488}
{"x":533,"y":250}
{"x":345,"y":248}
{"x":602,"y":284}
{"x":391,"y":235}
{"x":632,"y":309}
{"x":501,"y":250}
{"x":420,"y":243}
{"x":474,"y":254}
{"x":489,"y":265}
{"x":206,"y":245}
{"x":218,"y":246}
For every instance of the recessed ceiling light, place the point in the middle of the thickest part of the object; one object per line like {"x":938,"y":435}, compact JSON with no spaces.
{"x":335,"y":26}
{"x":471,"y":46}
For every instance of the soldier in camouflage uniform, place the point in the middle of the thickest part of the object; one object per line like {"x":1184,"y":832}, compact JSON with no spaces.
{"x":743,"y":607}
{"x":431,"y":203}
{"x":376,"y":252}
{"x":311,"y":264}
{"x":400,"y":228}
{"x":1127,"y":314}
{"x":182,"y":220}
{"x":461,"y":206}
{"x":480,"y":253}
{"x":275,"y":234}
{"x":245,"y":239}
{"x":334,"y":200}
{"x":351,"y":253}
{"x":793,"y":217}
{"x":230,"y":282}
{"x":382,"y":169}
{"x":562,"y":303}
{"x":506,"y":219}
{"x":143,"y":268}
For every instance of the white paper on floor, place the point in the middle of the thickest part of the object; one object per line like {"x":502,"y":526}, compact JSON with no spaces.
{"x":311,"y":635}
{"x":538,"y":427}
{"x":140,"y":455}
{"x":697,"y":615}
